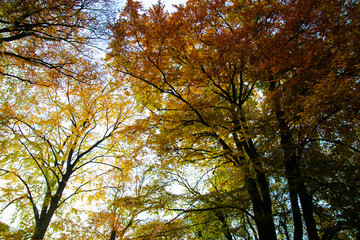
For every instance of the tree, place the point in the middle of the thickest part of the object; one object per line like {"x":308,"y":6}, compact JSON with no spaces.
{"x":225,"y":119}
{"x":300,"y":54}
{"x":47,"y":36}
{"x":130,"y":193}
{"x":204,"y":85}
{"x":211,"y":203}
{"x":56,"y":148}
{"x":213,"y":76}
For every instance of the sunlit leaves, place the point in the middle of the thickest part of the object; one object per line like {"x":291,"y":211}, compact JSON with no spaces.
{"x":217,"y":121}
{"x":59,"y":141}
{"x":248,"y":83}
{"x":46,"y":37}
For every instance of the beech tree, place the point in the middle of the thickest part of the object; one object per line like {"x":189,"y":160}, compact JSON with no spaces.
{"x":48,"y":36}
{"x":215,"y":75}
{"x":63,"y":140}
{"x":302,"y":48}
{"x":224,"y":119}
{"x":204,"y":83}
{"x":213,"y":202}
{"x":131,"y":192}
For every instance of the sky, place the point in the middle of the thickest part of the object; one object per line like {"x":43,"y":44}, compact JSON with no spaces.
{"x":168,"y":3}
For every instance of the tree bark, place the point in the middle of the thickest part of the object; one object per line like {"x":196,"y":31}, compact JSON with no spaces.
{"x":307,"y":207}
{"x":258,"y":187}
{"x":225,"y":227}
{"x":295,"y":181}
{"x":262,"y":214}
{"x":261,"y":200}
{"x":113,"y":235}
{"x":297,"y":189}
{"x":290,"y":174}
{"x":47,"y":213}
{"x":292,"y":171}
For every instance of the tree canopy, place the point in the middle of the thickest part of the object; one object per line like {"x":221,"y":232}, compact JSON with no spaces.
{"x":221,"y":120}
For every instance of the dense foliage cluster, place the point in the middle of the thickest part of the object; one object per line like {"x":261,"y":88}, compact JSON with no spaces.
{"x":225,"y":119}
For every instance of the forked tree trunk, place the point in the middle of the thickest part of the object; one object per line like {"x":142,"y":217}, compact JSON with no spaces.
{"x":259,"y":191}
{"x":262,"y":214}
{"x":48,"y":212}
{"x":295,"y":181}
{"x":257,"y":188}
{"x":308,"y":211}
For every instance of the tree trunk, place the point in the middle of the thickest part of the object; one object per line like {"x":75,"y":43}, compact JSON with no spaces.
{"x":307,"y":207}
{"x":47,"y":213}
{"x":261,"y":201}
{"x":224,"y":226}
{"x":290,"y":174}
{"x":295,"y":182}
{"x":263,"y":219}
{"x":258,"y":187}
{"x":113,"y":235}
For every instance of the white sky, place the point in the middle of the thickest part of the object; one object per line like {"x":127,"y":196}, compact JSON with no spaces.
{"x":168,"y":3}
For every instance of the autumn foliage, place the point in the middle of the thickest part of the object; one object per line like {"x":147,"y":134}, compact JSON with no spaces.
{"x":220,"y":120}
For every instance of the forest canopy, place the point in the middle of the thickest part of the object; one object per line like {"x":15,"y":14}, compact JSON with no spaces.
{"x":224,"y":119}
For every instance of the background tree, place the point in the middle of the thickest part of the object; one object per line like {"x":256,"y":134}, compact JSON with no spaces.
{"x":211,"y":202}
{"x":48,"y":36}
{"x":299,"y":60}
{"x":132,"y":196}
{"x":53,"y":147}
